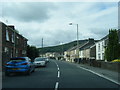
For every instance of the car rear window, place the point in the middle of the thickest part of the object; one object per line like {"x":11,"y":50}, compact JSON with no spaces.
{"x":17,"y":59}
{"x":39,"y":59}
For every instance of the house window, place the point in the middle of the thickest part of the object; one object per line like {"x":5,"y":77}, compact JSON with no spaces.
{"x":102,"y":46}
{"x":75,"y":51}
{"x":16,"y":52}
{"x":24,"y":43}
{"x":17,"y":40}
{"x":99,"y":56}
{"x":7,"y":35}
{"x":6,"y":49}
{"x":12,"y":38}
{"x":99,"y":47}
{"x":11,"y":52}
{"x":23,"y":52}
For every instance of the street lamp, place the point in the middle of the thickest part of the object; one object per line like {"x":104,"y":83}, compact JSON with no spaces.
{"x":77,"y":40}
{"x":42,"y":47}
{"x":62,"y":51}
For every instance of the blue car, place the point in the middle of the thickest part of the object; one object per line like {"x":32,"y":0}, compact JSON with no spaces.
{"x":19,"y":64}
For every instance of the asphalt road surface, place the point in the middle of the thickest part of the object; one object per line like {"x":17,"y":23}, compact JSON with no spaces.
{"x":56,"y":75}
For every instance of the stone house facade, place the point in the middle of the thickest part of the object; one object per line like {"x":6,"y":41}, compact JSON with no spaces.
{"x":12,"y":43}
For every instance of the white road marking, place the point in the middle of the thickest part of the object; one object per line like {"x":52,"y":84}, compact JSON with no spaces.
{"x":56,"y":85}
{"x":58,"y":68}
{"x":100,"y":75}
{"x":58,"y":74}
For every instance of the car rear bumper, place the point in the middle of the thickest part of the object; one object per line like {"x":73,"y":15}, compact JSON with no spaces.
{"x":39,"y":64}
{"x":16,"y":70}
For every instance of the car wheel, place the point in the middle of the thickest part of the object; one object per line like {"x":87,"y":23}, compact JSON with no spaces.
{"x":33,"y":70}
{"x":28,"y":72}
{"x":7,"y":74}
{"x":45,"y":65}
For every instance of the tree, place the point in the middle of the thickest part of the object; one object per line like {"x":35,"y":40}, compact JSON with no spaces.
{"x":113,"y":47}
{"x":32,"y":52}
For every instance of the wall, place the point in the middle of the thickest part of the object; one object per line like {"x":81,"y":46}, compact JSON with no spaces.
{"x":10,"y":47}
{"x":93,"y":52}
{"x":113,"y":66}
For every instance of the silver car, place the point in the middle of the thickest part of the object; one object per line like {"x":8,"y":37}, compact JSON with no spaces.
{"x":39,"y":61}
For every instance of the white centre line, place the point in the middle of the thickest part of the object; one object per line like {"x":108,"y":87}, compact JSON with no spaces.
{"x":58,"y":74}
{"x":56,"y":85}
{"x":58,"y":68}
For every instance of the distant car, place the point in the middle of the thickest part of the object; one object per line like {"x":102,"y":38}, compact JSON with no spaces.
{"x":39,"y":61}
{"x":46,"y":59}
{"x":19,"y":64}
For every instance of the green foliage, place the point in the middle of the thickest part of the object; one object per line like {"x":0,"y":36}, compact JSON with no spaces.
{"x":32,"y":52}
{"x":113,"y":47}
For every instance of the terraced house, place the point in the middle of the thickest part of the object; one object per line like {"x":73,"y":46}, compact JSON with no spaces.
{"x":86,"y":51}
{"x":12,"y":44}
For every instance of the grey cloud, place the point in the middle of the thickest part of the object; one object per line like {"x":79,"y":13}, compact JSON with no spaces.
{"x":99,"y":32}
{"x":30,"y":11}
{"x":52,"y":38}
{"x":31,"y":14}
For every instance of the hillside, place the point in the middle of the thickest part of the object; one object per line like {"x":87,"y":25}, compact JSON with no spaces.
{"x":61,"y":48}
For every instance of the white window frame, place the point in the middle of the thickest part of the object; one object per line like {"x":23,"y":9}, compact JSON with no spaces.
{"x":17,"y":52}
{"x":98,"y":47}
{"x":23,"y":51}
{"x":99,"y":56}
{"x":6,"y":49}
{"x":13,"y":38}
{"x":7,"y":35}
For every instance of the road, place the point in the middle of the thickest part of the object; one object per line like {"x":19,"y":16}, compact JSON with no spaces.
{"x":56,"y":75}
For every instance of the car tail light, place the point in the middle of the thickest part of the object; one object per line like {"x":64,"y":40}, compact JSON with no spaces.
{"x":24,"y":64}
{"x":7,"y":64}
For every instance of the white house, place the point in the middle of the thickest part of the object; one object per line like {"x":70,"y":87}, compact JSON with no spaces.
{"x":100,"y":48}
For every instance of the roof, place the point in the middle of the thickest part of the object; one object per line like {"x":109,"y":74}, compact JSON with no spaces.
{"x":84,"y":45}
{"x":88,"y":45}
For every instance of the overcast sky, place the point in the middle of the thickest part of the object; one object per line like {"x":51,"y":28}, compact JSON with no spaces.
{"x":50,"y":20}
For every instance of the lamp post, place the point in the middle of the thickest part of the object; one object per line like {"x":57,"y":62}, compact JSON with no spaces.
{"x":62,"y":51}
{"x":42,"y":47}
{"x":77,"y":40}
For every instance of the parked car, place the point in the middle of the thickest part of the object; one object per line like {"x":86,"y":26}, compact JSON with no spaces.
{"x":46,"y":59}
{"x":40,"y":61}
{"x":19,"y":64}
